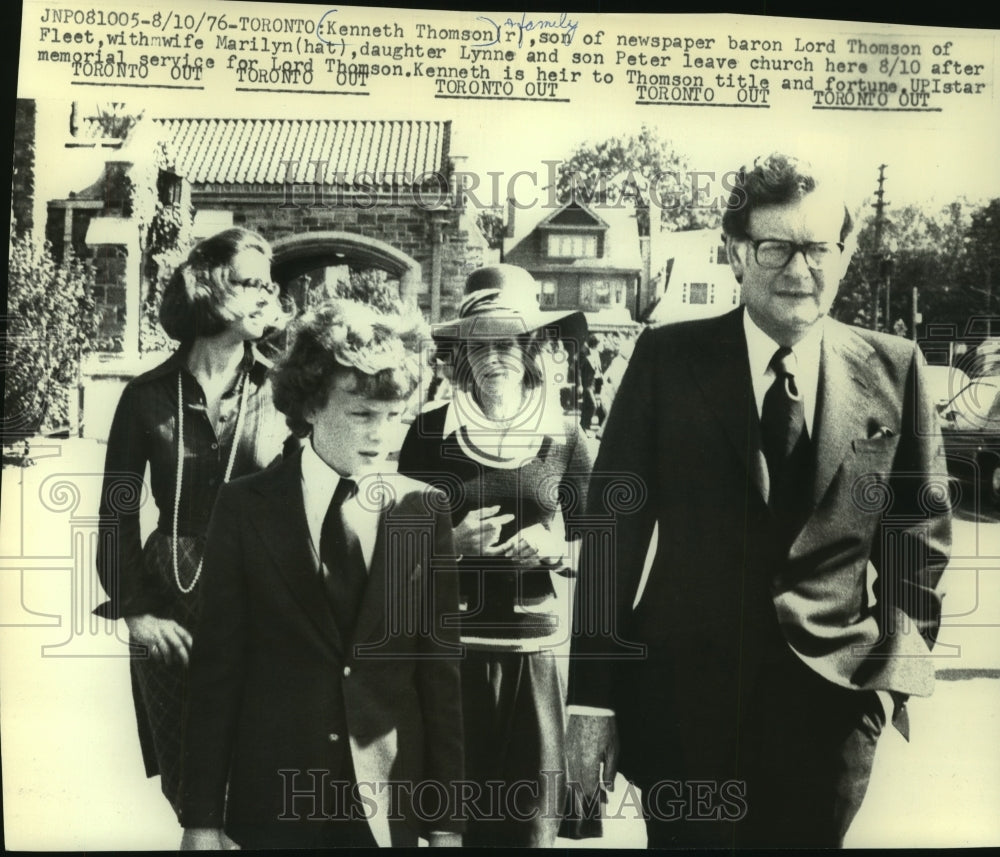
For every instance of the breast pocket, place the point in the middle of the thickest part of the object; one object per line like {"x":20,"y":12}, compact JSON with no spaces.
{"x":869,"y":470}
{"x":881,"y":444}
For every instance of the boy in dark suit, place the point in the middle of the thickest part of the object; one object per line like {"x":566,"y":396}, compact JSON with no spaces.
{"x":324,"y":683}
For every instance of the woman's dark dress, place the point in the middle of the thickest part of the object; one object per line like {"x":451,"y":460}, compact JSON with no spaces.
{"x":512,"y":691}
{"x":139,"y":579}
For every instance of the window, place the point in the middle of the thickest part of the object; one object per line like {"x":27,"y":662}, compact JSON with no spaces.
{"x":698,"y":293}
{"x":547,"y":295}
{"x":572,"y":245}
{"x":721,"y":257}
{"x":168,"y":188}
{"x":595,"y":294}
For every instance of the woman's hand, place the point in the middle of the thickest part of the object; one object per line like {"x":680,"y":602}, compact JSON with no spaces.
{"x":532,"y":545}
{"x":165,"y":640}
{"x":479,"y":530}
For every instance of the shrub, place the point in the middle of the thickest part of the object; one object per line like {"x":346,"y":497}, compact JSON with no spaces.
{"x":51,"y":324}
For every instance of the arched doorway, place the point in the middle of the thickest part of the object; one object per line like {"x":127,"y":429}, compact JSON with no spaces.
{"x":322,"y":260}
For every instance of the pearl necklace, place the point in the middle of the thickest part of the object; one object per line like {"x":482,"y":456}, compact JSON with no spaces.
{"x":244,"y":392}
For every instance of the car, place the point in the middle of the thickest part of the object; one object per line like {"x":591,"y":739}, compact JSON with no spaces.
{"x":970,"y":426}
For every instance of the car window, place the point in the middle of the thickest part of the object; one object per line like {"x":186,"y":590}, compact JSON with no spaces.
{"x":977,"y":406}
{"x":943,"y":383}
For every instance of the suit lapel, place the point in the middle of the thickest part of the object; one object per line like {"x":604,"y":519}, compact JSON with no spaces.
{"x":723,"y":374}
{"x":284,"y":532}
{"x":845,"y":385}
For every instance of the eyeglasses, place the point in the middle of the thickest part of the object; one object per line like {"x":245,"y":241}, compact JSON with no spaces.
{"x":261,"y":285}
{"x":775,"y":254}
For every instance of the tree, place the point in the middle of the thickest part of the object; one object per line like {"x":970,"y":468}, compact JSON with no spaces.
{"x":116,"y":120}
{"x":165,"y":224}
{"x":370,"y":286}
{"x":50,"y":326}
{"x":641,"y":169}
{"x":853,"y":303}
{"x":982,"y":259}
{"x":922,"y":248}
{"x":930,"y":255}
{"x":490,"y":223}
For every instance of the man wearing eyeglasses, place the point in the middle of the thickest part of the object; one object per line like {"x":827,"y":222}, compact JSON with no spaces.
{"x":792,"y":468}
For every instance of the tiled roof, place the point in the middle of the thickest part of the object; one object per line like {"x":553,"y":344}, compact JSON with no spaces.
{"x":243,"y":151}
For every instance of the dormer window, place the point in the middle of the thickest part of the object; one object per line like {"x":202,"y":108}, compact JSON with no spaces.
{"x":572,"y":245}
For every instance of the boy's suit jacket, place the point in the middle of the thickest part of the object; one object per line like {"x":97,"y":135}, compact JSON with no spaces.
{"x":276,"y":693}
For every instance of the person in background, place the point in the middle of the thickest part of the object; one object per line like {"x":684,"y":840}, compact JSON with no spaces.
{"x":609,"y":349}
{"x":592,"y":381}
{"x":202,"y":417}
{"x":516,"y":471}
{"x":614,"y":373}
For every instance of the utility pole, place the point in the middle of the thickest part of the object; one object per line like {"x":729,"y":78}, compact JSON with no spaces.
{"x":879,"y":207}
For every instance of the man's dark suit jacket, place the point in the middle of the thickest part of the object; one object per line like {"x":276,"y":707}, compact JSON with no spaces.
{"x":273,"y":685}
{"x":854,"y":596}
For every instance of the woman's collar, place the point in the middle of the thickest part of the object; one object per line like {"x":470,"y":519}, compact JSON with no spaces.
{"x":537,"y":415}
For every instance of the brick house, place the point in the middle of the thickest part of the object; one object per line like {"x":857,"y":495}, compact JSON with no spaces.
{"x":326,"y":193}
{"x":330,"y":195}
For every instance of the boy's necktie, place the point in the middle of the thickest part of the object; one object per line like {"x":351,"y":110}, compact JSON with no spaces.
{"x":343,"y":563}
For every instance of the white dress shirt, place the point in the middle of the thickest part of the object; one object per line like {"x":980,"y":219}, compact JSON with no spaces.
{"x":319,"y":481}
{"x":805,"y":357}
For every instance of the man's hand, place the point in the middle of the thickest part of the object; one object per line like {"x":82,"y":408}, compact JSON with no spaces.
{"x":165,"y":639}
{"x":531,"y":546}
{"x":592,"y":744}
{"x":444,"y":840}
{"x":207,"y":839}
{"x":479,"y":530}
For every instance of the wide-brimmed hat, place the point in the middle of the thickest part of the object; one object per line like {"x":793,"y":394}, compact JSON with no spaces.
{"x":502,"y":300}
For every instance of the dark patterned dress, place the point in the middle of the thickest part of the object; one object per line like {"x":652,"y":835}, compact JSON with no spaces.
{"x":140,"y":580}
{"x":512,"y":688}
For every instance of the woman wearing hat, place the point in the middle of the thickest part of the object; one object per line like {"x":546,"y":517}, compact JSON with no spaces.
{"x":516,"y":471}
{"x":200,"y":418}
